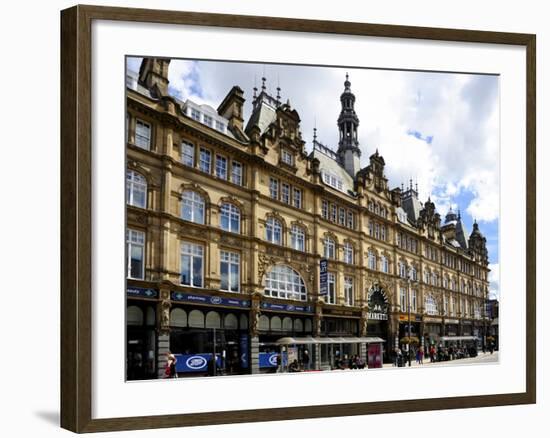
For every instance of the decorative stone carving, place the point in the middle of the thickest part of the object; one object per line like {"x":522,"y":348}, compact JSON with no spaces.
{"x":255,"y":315}
{"x":317,"y":320}
{"x":264,"y":261}
{"x":363,"y":321}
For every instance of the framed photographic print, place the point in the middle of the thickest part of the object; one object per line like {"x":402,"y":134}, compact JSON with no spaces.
{"x":268,"y":219}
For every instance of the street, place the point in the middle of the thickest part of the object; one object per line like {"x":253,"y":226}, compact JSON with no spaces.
{"x":480,"y":359}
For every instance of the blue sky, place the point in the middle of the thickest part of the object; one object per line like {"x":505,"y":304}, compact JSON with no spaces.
{"x":439,"y":129}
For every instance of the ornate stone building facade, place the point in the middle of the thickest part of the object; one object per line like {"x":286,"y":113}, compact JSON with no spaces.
{"x":227,"y":222}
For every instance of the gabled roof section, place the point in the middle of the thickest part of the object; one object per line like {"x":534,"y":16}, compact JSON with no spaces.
{"x":461,"y":233}
{"x":264,"y":113}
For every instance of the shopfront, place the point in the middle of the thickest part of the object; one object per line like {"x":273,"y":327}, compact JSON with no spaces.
{"x":377,"y":324}
{"x":204,"y":327}
{"x":141,"y":333}
{"x":432,"y":331}
{"x":467,"y":328}
{"x":451,"y":327}
{"x":339,"y":322}
{"x":414,"y":322}
{"x":280,"y":320}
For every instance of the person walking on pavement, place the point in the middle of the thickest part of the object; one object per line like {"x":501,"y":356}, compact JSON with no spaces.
{"x":170,"y":370}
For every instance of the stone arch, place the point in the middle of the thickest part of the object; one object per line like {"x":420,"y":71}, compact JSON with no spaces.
{"x":200,"y":191}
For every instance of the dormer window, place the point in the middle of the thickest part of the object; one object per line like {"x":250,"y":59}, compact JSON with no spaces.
{"x":220,"y":126}
{"x":332,"y":180}
{"x":195,"y":114}
{"x":208,"y":120}
{"x":287,"y":157}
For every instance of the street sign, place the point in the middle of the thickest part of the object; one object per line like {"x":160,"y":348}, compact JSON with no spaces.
{"x":323,"y":277}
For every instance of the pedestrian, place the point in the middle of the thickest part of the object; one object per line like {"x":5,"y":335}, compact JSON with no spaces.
{"x":170,"y":369}
{"x":421,"y":355}
{"x":432,"y":353}
{"x":305,"y":360}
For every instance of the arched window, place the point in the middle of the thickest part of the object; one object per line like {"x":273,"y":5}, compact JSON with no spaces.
{"x":431,"y":305}
{"x":192,"y":207}
{"x":348,"y":253}
{"x":134,"y":315}
{"x":230,"y":218}
{"x":284,"y":282}
{"x":413,"y":273}
{"x":273,"y":231}
{"x":298,"y":238}
{"x":372,"y":260}
{"x":330,"y":248}
{"x":136,"y":189}
{"x":178,"y":318}
{"x":384,"y":264}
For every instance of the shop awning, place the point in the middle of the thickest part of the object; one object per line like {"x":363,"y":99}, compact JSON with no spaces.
{"x":458,"y":338}
{"x":335,"y":340}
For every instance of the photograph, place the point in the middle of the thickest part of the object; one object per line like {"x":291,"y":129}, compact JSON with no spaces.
{"x":285,"y":218}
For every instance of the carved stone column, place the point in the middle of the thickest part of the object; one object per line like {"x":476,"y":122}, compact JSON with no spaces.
{"x":316,"y":329}
{"x":363,"y":324}
{"x":163,"y":327}
{"x":254,"y":321}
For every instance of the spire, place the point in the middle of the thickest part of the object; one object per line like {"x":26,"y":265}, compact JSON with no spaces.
{"x":263,"y":83}
{"x":349,"y":152}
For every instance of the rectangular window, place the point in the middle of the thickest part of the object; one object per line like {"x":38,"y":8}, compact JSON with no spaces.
{"x":274,"y":188}
{"x":143,"y":135}
{"x":324,"y":209}
{"x":221,"y":167}
{"x":237,"y":173}
{"x":188,"y":154}
{"x":350,"y":220}
{"x":348,"y":253}
{"x":330,"y":249}
{"x":204,"y":160}
{"x":192,"y":264}
{"x":285,"y":193}
{"x":333,"y":212}
{"x":287,"y":157}
{"x":135,"y":250}
{"x":413,"y":301}
{"x":342,"y":216}
{"x":297,"y":238}
{"x":220,"y":126}
{"x":348,"y":291}
{"x":403,"y":299}
{"x":331,"y":296}
{"x":297,"y":198}
{"x":229,"y":271}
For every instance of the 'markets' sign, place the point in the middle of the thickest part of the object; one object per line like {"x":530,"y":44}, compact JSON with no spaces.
{"x":377,"y":304}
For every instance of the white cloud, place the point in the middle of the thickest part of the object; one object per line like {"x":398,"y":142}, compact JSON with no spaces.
{"x":459,"y":112}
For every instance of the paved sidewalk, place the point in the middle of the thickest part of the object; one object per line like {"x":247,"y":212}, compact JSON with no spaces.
{"x":481,"y":358}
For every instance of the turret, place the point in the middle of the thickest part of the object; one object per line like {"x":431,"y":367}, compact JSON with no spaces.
{"x":349,"y":153}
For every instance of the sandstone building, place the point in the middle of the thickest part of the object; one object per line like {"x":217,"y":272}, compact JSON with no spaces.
{"x":228,"y":220}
